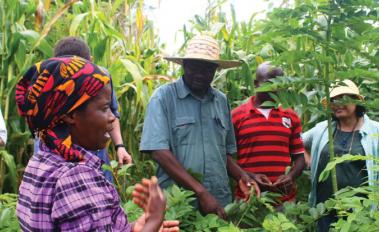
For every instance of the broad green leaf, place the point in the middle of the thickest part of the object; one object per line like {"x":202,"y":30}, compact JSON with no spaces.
{"x":9,"y":162}
{"x":124,"y":170}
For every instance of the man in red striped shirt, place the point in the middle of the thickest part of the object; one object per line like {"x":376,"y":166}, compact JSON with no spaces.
{"x":268,"y":140}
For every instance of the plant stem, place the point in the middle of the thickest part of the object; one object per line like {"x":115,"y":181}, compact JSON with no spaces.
{"x":328,"y":110}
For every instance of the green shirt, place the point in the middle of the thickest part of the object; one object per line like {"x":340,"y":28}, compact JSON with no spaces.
{"x":199,"y":132}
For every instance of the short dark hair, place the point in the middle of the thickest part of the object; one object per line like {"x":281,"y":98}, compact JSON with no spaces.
{"x":73,"y":46}
{"x":360,"y":111}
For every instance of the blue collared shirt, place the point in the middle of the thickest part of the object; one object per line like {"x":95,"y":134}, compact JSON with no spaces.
{"x":199,"y":132}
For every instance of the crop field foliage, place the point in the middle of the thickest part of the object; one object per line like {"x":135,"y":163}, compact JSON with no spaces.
{"x":315,"y":41}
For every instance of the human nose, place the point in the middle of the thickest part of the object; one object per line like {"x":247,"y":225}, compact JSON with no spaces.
{"x":111,"y":116}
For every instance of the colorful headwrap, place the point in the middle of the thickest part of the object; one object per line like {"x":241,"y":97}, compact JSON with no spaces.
{"x":53,"y":88}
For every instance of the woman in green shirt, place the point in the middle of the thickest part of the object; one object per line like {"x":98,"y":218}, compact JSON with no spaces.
{"x":352,"y":133}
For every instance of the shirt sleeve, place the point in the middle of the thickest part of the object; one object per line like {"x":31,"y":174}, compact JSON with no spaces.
{"x":231,"y":146}
{"x":308,"y":138}
{"x":3,"y":129}
{"x":84,"y":201}
{"x":114,"y":103}
{"x":296,"y":143}
{"x":155,"y":133}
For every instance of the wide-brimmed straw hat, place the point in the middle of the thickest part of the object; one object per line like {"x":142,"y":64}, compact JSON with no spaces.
{"x":345,"y":87}
{"x":206,"y":48}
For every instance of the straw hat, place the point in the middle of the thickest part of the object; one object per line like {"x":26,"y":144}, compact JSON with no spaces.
{"x":204,"y":47}
{"x":347,"y":87}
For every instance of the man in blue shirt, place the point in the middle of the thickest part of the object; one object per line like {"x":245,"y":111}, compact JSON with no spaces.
{"x":70,"y":46}
{"x":188,"y":130}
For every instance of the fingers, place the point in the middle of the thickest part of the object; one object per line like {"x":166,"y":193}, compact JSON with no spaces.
{"x":279,"y":180}
{"x":171,"y":229}
{"x":257,"y":189}
{"x":120,"y":160}
{"x":124,"y":157}
{"x":170,"y":226}
{"x":221,"y":213}
{"x":141,"y":193}
{"x":245,"y":187}
{"x":156,"y":195}
{"x":266,"y":180}
{"x":282,"y":180}
{"x":128,"y":159}
{"x":170,"y":223}
{"x":263,"y":179}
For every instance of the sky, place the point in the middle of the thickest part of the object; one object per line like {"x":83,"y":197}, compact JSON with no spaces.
{"x":169,"y":16}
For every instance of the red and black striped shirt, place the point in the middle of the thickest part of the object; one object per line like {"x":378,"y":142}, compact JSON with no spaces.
{"x":264,"y":145}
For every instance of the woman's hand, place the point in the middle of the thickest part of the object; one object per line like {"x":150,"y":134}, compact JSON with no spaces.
{"x":167,"y":226}
{"x":123,"y":156}
{"x":149,"y":196}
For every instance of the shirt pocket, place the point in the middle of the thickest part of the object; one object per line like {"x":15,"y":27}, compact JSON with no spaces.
{"x":183,"y":131}
{"x":220,"y":130}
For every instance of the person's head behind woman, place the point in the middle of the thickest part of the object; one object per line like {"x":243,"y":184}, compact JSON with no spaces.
{"x":343,"y":101}
{"x":66,"y":101}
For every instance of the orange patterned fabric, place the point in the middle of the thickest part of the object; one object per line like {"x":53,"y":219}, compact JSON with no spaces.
{"x":53,"y":88}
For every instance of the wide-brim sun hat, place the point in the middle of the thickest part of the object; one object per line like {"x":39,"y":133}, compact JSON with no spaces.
{"x":206,"y":48}
{"x":345,"y":87}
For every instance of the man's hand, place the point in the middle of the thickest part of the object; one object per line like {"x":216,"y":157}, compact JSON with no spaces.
{"x":123,"y":156}
{"x":263,"y":181}
{"x":208,"y":204}
{"x":284,"y":184}
{"x":246,"y":183}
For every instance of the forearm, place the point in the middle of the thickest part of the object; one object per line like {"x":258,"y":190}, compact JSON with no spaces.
{"x":176,"y":171}
{"x":233,"y":168}
{"x":298,"y":166}
{"x":116,"y":132}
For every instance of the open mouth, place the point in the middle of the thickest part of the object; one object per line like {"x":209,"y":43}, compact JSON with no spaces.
{"x":107,"y":135}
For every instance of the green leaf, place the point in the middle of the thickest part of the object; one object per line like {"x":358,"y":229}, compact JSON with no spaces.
{"x":114,"y":164}
{"x":124,"y":170}
{"x":11,"y":167}
{"x":313,"y":212}
{"x":76,"y":22}
{"x":106,"y":167}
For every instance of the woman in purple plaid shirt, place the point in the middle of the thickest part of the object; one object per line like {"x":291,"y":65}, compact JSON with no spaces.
{"x":66,"y":102}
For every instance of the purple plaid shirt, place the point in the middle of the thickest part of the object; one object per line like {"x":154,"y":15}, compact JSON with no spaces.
{"x":56,"y":195}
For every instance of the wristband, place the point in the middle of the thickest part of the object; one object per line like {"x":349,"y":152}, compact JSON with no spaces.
{"x":117,"y":146}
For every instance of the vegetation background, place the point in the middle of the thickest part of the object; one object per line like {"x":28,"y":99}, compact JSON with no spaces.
{"x":315,"y":41}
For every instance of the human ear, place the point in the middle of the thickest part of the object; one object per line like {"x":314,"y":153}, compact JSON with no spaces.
{"x":69,"y":119}
{"x":256,"y":83}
